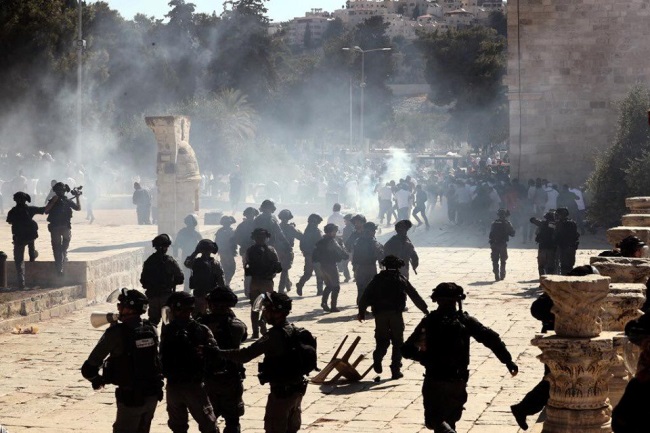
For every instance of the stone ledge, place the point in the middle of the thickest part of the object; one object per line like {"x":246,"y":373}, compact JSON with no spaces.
{"x":622,"y":269}
{"x":54,"y":311}
{"x":617,"y":234}
{"x":636,"y":220}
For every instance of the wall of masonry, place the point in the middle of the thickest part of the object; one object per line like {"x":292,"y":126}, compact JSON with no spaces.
{"x":569,"y":62}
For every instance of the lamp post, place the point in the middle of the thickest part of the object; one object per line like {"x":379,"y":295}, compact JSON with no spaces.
{"x":81,"y":44}
{"x":362,"y":85}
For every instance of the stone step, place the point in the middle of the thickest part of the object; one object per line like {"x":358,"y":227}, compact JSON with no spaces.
{"x":617,"y":234}
{"x":19,"y":307}
{"x":638,"y":205}
{"x":636,"y":220}
{"x":622,"y":269}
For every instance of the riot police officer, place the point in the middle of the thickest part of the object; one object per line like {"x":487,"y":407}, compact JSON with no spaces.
{"x":328,"y":252}
{"x":261,"y":263}
{"x":243,"y":238}
{"x":224,"y":382}
{"x":267,"y":221}
{"x":185,"y":242}
{"x":367,"y":252}
{"x":160,"y":276}
{"x":401,"y":246}
{"x":185,"y":350}
{"x":281,"y":367}
{"x":500,"y":233}
{"x":547,"y":246}
{"x":59,"y":215}
{"x":25,"y":231}
{"x":286,"y":256}
{"x":567,"y":239}
{"x":307,"y":244}
{"x":207,"y":273}
{"x":133,"y":365}
{"x":440,"y":342}
{"x":386,"y":295}
{"x":225,"y":240}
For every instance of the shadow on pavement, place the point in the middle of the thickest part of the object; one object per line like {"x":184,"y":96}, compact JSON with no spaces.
{"x":96,"y":249}
{"x":354,"y":387}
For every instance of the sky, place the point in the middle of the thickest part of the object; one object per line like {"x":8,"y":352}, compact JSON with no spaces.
{"x":279,"y":10}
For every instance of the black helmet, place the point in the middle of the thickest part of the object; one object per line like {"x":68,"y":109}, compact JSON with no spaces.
{"x":314,"y":219}
{"x":180,"y":300}
{"x":191,"y":220}
{"x":392,"y":262}
{"x":222,"y":295}
{"x":60,"y":188}
{"x":227,"y":220}
{"x":581,"y":271}
{"x":133,"y":299}
{"x":285,"y":215}
{"x":162,"y":240}
{"x":638,"y":330}
{"x":273,"y":300}
{"x":260,"y":232}
{"x":630,"y":244}
{"x":358,"y":217}
{"x":250,"y":212}
{"x":370,"y":226}
{"x":22,"y":197}
{"x":267,"y":205}
{"x":329,"y":228}
{"x":562,"y":212}
{"x":348,"y":217}
{"x":403,"y":224}
{"x":503,"y":213}
{"x":448,"y":291}
{"x":550,"y":215}
{"x":207,"y":246}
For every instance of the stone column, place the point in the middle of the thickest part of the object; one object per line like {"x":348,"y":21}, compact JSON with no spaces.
{"x":578,"y":356}
{"x":178,"y":173}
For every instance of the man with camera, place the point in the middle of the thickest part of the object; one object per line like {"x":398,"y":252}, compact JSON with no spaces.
{"x":59,"y":213}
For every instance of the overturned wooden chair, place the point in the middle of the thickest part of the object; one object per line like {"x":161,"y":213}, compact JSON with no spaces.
{"x":342,"y":366}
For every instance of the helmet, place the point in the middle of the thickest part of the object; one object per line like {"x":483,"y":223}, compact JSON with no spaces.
{"x":22,"y":197}
{"x":581,"y":271}
{"x":631,"y":244}
{"x":162,"y":240}
{"x":347,"y":217}
{"x":260,"y":232}
{"x":562,"y":212}
{"x":329,"y":228}
{"x":370,"y":226}
{"x":403,"y":224}
{"x":392,"y":262}
{"x":60,"y":188}
{"x":285,"y":214}
{"x":638,"y":329}
{"x":250,"y":212}
{"x":207,"y":246}
{"x":133,"y":299}
{"x":273,"y":300}
{"x":191,"y":220}
{"x":448,"y":291}
{"x":222,"y":295}
{"x":267,"y":205}
{"x":227,"y":220}
{"x":503,"y":213}
{"x":550,"y":215}
{"x":314,"y":219}
{"x":180,"y":300}
{"x":358,"y":217}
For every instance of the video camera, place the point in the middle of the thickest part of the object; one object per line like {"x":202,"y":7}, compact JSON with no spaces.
{"x":76,"y":192}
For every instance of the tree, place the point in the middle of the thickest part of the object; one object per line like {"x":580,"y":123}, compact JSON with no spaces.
{"x":465,"y":70}
{"x":621,"y":171}
{"x":499,"y":22}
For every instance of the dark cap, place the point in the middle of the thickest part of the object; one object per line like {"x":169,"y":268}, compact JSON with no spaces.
{"x":630,"y":243}
{"x":22,"y":197}
{"x":329,"y":228}
{"x":250,"y":212}
{"x":162,"y":240}
{"x":315,"y":218}
{"x":180,"y":300}
{"x":581,"y":271}
{"x":392,"y":262}
{"x":403,"y":224}
{"x":260,"y":232}
{"x":222,"y":295}
{"x":448,"y":291}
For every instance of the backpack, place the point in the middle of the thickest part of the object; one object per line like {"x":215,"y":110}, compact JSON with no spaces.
{"x":202,"y":278}
{"x":302,"y":356}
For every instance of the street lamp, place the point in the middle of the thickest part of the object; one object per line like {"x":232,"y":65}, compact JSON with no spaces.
{"x":363,"y":83}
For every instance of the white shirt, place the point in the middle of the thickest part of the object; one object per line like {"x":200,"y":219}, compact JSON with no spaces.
{"x":580,"y":200}
{"x":551,"y":202}
{"x":403,"y":196}
{"x":385,"y":193}
{"x":337,"y":218}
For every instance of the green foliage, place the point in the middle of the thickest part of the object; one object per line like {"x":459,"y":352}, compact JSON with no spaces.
{"x":621,"y":171}
{"x":465,"y":70}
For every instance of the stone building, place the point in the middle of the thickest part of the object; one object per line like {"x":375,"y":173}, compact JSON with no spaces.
{"x":568,"y":65}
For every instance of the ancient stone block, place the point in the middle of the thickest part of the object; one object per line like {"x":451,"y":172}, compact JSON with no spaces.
{"x":622,"y":269}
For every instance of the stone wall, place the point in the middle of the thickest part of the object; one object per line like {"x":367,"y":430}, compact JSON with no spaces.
{"x":568,"y":64}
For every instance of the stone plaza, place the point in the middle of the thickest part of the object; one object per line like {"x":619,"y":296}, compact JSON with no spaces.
{"x":42,"y":390}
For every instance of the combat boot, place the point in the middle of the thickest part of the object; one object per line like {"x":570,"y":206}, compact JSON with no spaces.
{"x":496,"y":276}
{"x":32,"y":258}
{"x":520,"y":416}
{"x":335,"y":298}
{"x":255,"y":324}
{"x":299,"y":286}
{"x":396,"y":373}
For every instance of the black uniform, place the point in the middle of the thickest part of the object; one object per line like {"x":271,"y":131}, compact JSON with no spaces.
{"x":60,"y":227}
{"x":288,"y":386}
{"x":185,"y":369}
{"x":386,"y":296}
{"x":500,"y":233}
{"x":269,"y":222}
{"x":327,"y":253}
{"x":567,"y":239}
{"x":547,"y":247}
{"x":242,"y":236}
{"x":160,"y":276}
{"x":134,"y":366}
{"x":367,"y":252}
{"x":25,"y":231}
{"x":142,"y":201}
{"x":207,"y":274}
{"x":631,"y":415}
{"x":224,"y":381}
{"x":307,"y":245}
{"x":402,"y":247}
{"x":261,"y":265}
{"x":286,"y":256}
{"x":441,"y":344}
{"x":225,"y":239}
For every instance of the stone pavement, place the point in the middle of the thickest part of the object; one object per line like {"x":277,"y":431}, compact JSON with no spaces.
{"x":42,"y":391}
